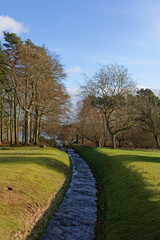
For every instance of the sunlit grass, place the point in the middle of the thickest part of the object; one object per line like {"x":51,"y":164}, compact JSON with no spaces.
{"x":29,"y":180}
{"x":131,"y":183}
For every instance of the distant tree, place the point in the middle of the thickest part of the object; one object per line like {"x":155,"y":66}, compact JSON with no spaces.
{"x":55,"y":113}
{"x":90,"y":123}
{"x":121,"y":137}
{"x":147,"y":112}
{"x":140,"y":138}
{"x":68,"y":133}
{"x":109,"y":90}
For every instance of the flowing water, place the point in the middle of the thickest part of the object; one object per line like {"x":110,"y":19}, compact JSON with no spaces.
{"x":76,"y":217}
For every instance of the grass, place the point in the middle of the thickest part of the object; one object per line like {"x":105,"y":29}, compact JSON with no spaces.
{"x":78,"y":147}
{"x":29,"y":179}
{"x":129,"y":193}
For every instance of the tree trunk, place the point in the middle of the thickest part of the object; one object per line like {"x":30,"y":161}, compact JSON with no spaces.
{"x":18,"y":139}
{"x":120,"y":143}
{"x":26,"y":128}
{"x":82,"y":140}
{"x":113,"y":141}
{"x":31,"y":129}
{"x":39,"y":126}
{"x":0,"y":132}
{"x":8,"y":131}
{"x":15,"y":121}
{"x":111,"y":133}
{"x":37,"y":132}
{"x":104,"y":132}
{"x":37,"y":123}
{"x":2,"y":120}
{"x":77,"y":138}
{"x":23,"y":132}
{"x":98,"y":143}
{"x":11,"y":124}
{"x":157,"y":141}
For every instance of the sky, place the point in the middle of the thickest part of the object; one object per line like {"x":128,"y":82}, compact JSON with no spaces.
{"x":86,"y":33}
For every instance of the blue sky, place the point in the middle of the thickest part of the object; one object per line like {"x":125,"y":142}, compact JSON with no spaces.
{"x":86,"y":33}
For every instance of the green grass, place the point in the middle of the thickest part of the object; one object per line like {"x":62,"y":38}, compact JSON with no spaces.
{"x":129,"y":206}
{"x":29,"y":179}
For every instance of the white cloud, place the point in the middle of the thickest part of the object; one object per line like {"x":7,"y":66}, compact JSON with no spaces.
{"x":75,"y":69}
{"x":11,"y":25}
{"x":75,"y":95}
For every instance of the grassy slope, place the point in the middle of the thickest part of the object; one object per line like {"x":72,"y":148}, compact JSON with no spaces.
{"x":29,"y":180}
{"x":130,"y":181}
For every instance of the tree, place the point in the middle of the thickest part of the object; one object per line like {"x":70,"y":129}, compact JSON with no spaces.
{"x":12,"y":42}
{"x":3,"y":80}
{"x":90,"y":123}
{"x":27,"y":72}
{"x":147,"y":112}
{"x":68,"y":133}
{"x":34,"y":79}
{"x":109,"y":91}
{"x":50,"y":94}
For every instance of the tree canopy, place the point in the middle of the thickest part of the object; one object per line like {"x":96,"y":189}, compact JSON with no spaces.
{"x":35,"y":91}
{"x":109,"y":90}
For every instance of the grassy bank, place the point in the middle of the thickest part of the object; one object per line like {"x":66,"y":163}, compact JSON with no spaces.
{"x":29,"y":179}
{"x":130,"y":185}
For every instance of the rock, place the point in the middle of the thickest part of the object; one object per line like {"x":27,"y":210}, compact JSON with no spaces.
{"x":42,"y":146}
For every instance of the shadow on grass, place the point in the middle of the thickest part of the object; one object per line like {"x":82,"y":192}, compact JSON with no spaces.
{"x":41,"y":225}
{"x":41,"y":159}
{"x":9,"y":153}
{"x":48,"y":162}
{"x":132,"y":211}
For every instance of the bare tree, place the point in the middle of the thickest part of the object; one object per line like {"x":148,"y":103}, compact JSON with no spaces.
{"x":91,"y":123}
{"x":109,"y":90}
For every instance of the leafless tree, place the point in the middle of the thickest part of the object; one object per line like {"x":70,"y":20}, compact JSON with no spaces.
{"x":109,"y":90}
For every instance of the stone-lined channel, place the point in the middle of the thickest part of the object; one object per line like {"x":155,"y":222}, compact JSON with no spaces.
{"x":76,"y":216}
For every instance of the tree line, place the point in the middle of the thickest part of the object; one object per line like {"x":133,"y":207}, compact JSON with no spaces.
{"x":115,"y":112}
{"x":33,"y":99}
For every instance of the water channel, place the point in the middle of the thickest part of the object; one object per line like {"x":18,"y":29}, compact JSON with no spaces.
{"x":76,"y":217}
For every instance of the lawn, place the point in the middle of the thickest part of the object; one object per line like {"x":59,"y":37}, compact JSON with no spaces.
{"x":30,"y":178}
{"x":129,"y":193}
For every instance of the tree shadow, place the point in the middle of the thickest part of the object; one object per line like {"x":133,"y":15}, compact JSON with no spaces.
{"x":50,"y":163}
{"x":132,"y":210}
{"x":9,"y":154}
{"x":45,"y":161}
{"x":41,"y":225}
